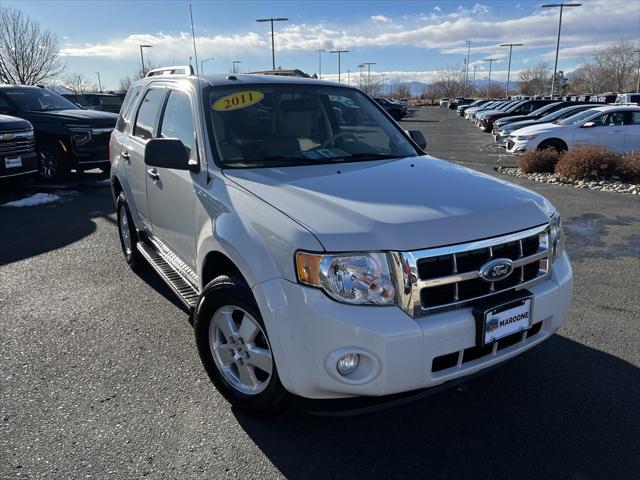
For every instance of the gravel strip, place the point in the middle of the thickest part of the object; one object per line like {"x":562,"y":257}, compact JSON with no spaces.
{"x":604,"y":185}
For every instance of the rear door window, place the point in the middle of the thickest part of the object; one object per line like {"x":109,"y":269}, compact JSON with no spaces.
{"x":146,"y":120}
{"x":127,"y":108}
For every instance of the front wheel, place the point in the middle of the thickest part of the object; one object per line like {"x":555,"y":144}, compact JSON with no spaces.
{"x":51,"y":164}
{"x":235,"y":350}
{"x":557,"y":145}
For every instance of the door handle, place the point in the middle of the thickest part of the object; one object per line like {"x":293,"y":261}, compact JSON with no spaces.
{"x":125,"y":155}
{"x":152,"y":173}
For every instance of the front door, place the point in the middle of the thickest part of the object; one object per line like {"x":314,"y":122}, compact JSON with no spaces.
{"x":608,"y":131}
{"x":171,"y":194}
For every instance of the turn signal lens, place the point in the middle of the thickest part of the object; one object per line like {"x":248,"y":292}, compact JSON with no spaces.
{"x":308,"y":268}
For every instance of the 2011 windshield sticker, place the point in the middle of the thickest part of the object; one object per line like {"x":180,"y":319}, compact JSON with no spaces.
{"x":238,"y":100}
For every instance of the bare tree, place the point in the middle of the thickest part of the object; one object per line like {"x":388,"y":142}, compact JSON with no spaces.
{"x":617,"y":65}
{"x":536,"y":80}
{"x":124,"y":84}
{"x":29,"y":54}
{"x":402,"y":90}
{"x":449,"y":81}
{"x":371,"y":85}
{"x":77,"y":83}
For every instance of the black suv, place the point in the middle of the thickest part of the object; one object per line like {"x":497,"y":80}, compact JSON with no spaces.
{"x":396,"y":110}
{"x":17,"y":148}
{"x":104,"y":102}
{"x":67,"y":137}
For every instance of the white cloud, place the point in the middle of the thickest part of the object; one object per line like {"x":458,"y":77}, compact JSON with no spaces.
{"x":479,"y":9}
{"x":437,"y":8}
{"x":380,"y":19}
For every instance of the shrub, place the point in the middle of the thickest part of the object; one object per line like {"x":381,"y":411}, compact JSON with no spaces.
{"x":539,"y":161}
{"x":587,"y":162}
{"x":629,"y":167}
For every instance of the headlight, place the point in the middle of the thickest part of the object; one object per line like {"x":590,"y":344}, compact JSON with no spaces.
{"x":555,"y":235}
{"x":526,"y":137}
{"x":358,"y":279}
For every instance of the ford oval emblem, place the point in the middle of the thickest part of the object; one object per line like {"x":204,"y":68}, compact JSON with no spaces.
{"x":496,"y":270}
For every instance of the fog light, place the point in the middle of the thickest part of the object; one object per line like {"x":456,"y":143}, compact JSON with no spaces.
{"x":348,"y":363}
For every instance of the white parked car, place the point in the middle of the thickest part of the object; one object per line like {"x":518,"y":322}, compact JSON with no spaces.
{"x":444,"y":103}
{"x":614,"y":127}
{"x":628,"y":99}
{"x":322,"y":258}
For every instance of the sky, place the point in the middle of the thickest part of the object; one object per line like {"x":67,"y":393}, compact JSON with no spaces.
{"x":408,"y":40}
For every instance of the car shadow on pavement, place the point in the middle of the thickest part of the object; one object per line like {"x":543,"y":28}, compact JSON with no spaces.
{"x":28,"y":231}
{"x":554,"y":412}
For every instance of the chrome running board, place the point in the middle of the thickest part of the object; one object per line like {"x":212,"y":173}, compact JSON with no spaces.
{"x":183,"y":289}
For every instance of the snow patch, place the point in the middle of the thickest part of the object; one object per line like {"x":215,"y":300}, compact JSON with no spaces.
{"x":37,"y":199}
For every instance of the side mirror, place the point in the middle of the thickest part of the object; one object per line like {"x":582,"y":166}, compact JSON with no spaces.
{"x":589,"y":124}
{"x":418,"y":137}
{"x":168,"y":153}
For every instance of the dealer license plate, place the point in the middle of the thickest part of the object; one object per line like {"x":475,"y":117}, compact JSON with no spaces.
{"x":506,"y":319}
{"x":13,"y":162}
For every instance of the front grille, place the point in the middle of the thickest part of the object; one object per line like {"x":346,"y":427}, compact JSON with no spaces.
{"x":449,"y":277}
{"x":21,"y":143}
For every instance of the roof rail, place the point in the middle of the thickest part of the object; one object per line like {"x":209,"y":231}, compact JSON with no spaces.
{"x":175,"y":70}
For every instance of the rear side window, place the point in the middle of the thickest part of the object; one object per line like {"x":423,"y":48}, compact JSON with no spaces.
{"x":635,"y":118}
{"x":145,"y":125}
{"x":177,"y":120}
{"x":127,"y":108}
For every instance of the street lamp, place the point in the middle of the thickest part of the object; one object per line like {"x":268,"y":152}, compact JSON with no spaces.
{"x":202,"y":62}
{"x":99,"y":83}
{"x":638,"y":83}
{"x":339,"y":52}
{"x":273,"y":48}
{"x":466,"y":69}
{"x":555,"y":66}
{"x":142,"y":56}
{"x":510,"y":45}
{"x":368,"y":64}
{"x":234,"y":63}
{"x":320,"y":51}
{"x":474,"y":77}
{"x":490,"y":60}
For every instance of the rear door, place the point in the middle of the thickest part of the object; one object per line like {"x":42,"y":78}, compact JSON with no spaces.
{"x":145,"y":126}
{"x":632,"y":132}
{"x":172,"y":193}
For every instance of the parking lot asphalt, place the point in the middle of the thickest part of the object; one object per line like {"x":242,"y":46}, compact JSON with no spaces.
{"x":100,"y":377}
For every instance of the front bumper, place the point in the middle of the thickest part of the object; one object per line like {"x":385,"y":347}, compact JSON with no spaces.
{"x":516,"y":146}
{"x":308,"y":332}
{"x":28,"y":165}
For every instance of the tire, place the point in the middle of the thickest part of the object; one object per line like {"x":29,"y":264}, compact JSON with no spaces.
{"x":559,"y":145}
{"x":127,"y":233}
{"x":51,"y":163}
{"x":229,"y":330}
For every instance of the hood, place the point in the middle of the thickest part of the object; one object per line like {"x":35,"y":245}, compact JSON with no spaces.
{"x":540,"y":128}
{"x":78,"y":116}
{"x":8,"y":124}
{"x":510,"y":127}
{"x":404,"y":204}
{"x":512,"y":119}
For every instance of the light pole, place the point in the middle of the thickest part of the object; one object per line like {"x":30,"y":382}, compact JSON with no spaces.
{"x":202,"y":62}
{"x":368,"y":64}
{"x":510,"y":45}
{"x":235,"y":62}
{"x":273,"y":48}
{"x":490,"y":60}
{"x":555,"y":66}
{"x":638,"y":83}
{"x":474,"y":77}
{"x":339,"y":52}
{"x":466,"y":69}
{"x":99,"y":83}
{"x":142,"y":56}
{"x":320,"y":51}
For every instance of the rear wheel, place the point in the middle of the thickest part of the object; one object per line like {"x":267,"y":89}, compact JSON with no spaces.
{"x":554,"y":143}
{"x":127,"y":233}
{"x":235,"y":349}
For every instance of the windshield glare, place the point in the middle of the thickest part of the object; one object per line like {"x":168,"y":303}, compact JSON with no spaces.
{"x":39,"y":100}
{"x":578,"y":117}
{"x":287,"y":124}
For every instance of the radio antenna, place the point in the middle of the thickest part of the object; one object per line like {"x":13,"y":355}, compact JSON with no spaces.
{"x":193,"y":36}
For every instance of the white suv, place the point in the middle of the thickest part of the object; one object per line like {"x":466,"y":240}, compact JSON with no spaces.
{"x":613,"y":127}
{"x":327,"y":259}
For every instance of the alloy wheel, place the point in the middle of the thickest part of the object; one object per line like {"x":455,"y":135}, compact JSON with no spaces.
{"x":240,"y":350}
{"x":48,"y":165}
{"x":125,"y":232}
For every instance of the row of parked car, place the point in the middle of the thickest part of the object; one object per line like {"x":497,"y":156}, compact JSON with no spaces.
{"x":535,"y":124}
{"x":43,"y":133}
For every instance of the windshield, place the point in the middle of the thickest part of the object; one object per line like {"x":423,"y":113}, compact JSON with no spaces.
{"x":578,"y":117}
{"x":511,"y":108}
{"x":544,"y":109}
{"x":39,"y":100}
{"x":265,"y":125}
